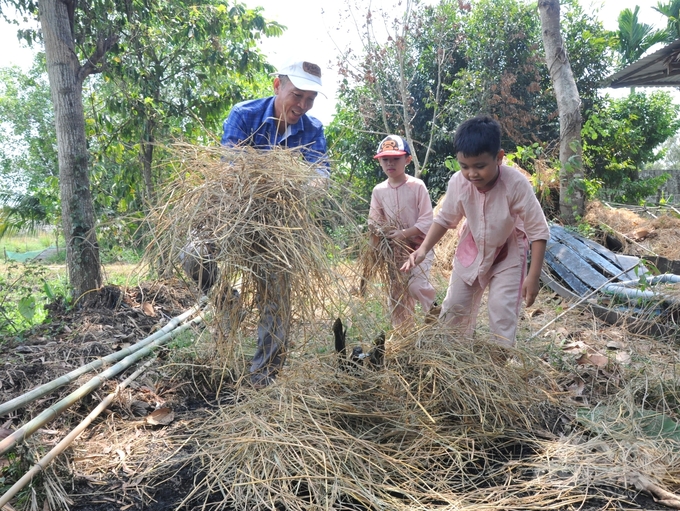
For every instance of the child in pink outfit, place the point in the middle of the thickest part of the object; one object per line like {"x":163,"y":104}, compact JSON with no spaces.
{"x":403,"y":203}
{"x":503,"y":219}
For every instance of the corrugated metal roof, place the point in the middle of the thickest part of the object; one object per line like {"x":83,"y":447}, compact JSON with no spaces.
{"x":661,"y":69}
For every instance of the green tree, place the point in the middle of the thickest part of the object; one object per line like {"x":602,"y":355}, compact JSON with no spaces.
{"x":399,"y":86}
{"x":463,"y":59}
{"x":672,"y":11}
{"x":572,"y":193}
{"x":505,"y":66}
{"x":671,"y":155}
{"x":624,"y":135}
{"x":175,"y":73}
{"x":83,"y":40}
{"x":635,"y":38}
{"x":29,"y":190}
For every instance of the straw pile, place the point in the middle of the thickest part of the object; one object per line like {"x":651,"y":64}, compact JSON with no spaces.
{"x":446,"y":424}
{"x":639,"y":235}
{"x":261,"y":213}
{"x":437,"y":422}
{"x":440,"y":427}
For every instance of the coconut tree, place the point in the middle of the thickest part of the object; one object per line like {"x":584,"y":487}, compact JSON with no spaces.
{"x":636,"y":38}
{"x":672,"y":11}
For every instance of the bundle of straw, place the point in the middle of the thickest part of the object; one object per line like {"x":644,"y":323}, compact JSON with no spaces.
{"x":381,"y":260}
{"x":664,"y":231}
{"x":262,"y":213}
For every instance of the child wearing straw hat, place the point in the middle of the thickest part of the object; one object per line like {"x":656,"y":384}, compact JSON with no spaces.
{"x":503,"y":219}
{"x":402,"y":211}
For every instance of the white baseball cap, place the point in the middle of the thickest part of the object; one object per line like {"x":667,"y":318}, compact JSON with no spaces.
{"x":304,"y":75}
{"x":392,"y":145}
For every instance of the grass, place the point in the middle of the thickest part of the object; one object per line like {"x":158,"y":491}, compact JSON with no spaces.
{"x":26,"y":287}
{"x":29,"y":243}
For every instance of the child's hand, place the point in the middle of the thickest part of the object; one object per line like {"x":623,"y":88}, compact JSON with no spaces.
{"x":397,"y":235}
{"x":414,"y":260}
{"x":530,"y":290}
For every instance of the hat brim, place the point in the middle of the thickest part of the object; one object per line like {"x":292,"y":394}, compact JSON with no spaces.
{"x":306,"y":85}
{"x":390,"y":153}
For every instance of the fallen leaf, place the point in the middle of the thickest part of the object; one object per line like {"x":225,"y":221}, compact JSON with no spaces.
{"x":639,"y":234}
{"x":147,"y":308}
{"x":536,"y":312}
{"x":577,"y":389}
{"x":623,"y":357}
{"x":4,"y":433}
{"x":162,"y":416}
{"x":574,"y":348}
{"x":562,"y":332}
{"x":593,"y":359}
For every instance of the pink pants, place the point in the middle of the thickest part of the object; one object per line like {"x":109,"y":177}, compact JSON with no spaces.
{"x":403,"y":301}
{"x":461,"y":305}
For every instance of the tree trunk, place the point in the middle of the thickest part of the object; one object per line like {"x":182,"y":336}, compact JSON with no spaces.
{"x":82,"y":250}
{"x":572,"y":191}
{"x":147,"y":159}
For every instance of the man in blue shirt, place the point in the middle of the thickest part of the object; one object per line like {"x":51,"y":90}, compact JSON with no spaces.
{"x":282,"y":119}
{"x":279,"y":120}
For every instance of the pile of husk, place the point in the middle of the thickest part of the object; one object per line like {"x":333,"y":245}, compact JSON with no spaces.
{"x":639,"y":235}
{"x":445,"y":424}
{"x":262,"y":213}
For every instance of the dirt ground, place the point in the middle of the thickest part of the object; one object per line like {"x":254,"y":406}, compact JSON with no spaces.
{"x":115,"y":319}
{"x":124,"y":460}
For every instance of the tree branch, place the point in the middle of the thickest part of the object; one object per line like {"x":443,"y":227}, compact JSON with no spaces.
{"x":91,"y":66}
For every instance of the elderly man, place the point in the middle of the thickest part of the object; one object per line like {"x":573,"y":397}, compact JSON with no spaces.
{"x":278,"y":120}
{"x":282,"y":119}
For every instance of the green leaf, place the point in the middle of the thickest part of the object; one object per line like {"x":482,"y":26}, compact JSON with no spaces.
{"x":27,"y":307}
{"x":48,"y":290}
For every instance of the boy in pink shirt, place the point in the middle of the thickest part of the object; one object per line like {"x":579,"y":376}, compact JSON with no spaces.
{"x":502,"y":217}
{"x":402,"y":210}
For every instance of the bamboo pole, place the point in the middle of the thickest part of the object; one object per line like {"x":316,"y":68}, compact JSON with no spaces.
{"x":53,"y":412}
{"x":580,"y":301}
{"x":51,"y":386}
{"x":68,"y":439}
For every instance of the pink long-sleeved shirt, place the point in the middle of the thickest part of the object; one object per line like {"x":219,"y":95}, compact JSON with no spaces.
{"x":498,"y":223}
{"x":404,"y":206}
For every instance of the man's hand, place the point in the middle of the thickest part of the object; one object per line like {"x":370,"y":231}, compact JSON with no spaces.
{"x":414,"y":260}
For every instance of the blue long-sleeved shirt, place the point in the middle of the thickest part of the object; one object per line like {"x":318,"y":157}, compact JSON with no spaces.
{"x":253,"y":123}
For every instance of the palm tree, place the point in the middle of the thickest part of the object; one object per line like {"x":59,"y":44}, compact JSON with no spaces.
{"x":636,"y":38}
{"x":21,"y":212}
{"x":672,"y":11}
